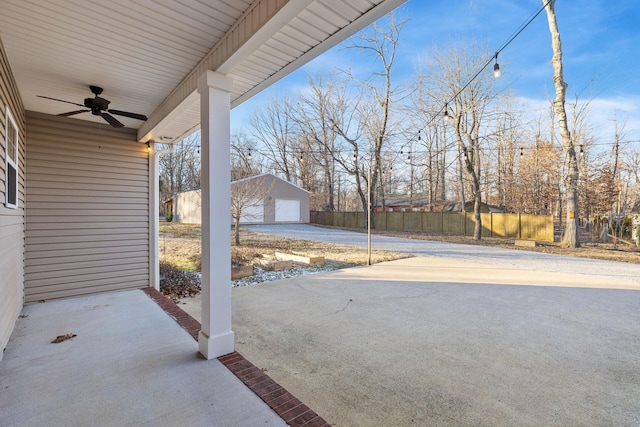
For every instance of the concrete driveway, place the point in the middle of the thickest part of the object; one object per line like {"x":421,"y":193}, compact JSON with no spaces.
{"x":443,"y":341}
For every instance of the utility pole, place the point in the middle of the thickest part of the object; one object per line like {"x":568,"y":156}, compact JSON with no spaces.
{"x":369,"y":217}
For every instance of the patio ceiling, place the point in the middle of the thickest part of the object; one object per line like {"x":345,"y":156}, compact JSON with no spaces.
{"x":148,"y":55}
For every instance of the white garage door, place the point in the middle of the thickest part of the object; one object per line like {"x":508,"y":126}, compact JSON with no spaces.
{"x":287,"y":210}
{"x":253,"y":212}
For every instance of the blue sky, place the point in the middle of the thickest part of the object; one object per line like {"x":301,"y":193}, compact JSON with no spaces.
{"x":601,"y":46}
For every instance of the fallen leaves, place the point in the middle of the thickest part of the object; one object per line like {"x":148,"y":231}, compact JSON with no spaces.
{"x":64,"y":337}
{"x":176,"y":283}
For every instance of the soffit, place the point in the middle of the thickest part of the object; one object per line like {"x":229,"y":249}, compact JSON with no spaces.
{"x":140,"y":51}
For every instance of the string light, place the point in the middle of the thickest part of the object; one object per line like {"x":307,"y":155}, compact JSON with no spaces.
{"x":496,"y":67}
{"x":417,"y":153}
{"x":148,"y":147}
{"x":249,"y":155}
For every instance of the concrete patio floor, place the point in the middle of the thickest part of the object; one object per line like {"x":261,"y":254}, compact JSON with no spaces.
{"x":440,"y":342}
{"x":130,"y":364}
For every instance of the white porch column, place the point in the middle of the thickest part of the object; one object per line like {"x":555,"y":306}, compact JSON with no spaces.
{"x":154,"y":226}
{"x":216,"y":337}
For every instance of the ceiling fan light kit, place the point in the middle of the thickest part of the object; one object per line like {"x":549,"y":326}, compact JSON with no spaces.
{"x":99,"y":107}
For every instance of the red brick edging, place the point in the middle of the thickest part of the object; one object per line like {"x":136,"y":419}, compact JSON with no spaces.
{"x":288,"y":407}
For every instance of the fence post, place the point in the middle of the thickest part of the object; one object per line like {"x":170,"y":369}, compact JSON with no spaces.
{"x":519,"y":225}
{"x":491,"y":224}
{"x":464,"y":229}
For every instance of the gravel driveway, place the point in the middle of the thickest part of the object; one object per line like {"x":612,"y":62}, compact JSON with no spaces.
{"x":523,"y":259}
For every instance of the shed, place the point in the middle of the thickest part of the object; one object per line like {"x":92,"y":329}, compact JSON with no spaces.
{"x":260,"y":199}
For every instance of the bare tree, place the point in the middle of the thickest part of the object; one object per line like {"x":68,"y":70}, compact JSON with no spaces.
{"x":509,"y":139}
{"x":313,"y":117}
{"x":450,"y":77}
{"x":180,"y":170}
{"x":246,"y":159}
{"x":432,"y":139}
{"x":570,"y":238}
{"x":371,"y":111}
{"x":248,"y":200}
{"x":273,"y":127}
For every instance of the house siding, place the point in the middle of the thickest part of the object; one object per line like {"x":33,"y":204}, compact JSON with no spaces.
{"x":87,"y":225}
{"x":12,"y":221}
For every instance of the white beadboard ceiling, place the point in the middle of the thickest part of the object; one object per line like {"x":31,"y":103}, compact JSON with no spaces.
{"x":146,"y":54}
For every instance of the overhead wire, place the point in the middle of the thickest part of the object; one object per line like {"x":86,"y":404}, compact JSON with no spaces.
{"x":484,"y":67}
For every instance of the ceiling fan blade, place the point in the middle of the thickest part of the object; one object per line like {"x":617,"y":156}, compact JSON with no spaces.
{"x":61,"y":100}
{"x":130,"y":115}
{"x":111,"y":120}
{"x":73,"y":113}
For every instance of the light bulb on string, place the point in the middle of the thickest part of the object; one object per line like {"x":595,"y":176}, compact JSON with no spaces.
{"x":496,"y":67}
{"x":446,"y":112}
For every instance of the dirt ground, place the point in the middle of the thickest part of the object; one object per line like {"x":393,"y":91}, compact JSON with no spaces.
{"x":181,"y":256}
{"x":180,"y":247}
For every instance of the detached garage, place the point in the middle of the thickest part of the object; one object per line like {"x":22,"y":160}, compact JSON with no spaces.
{"x":260,"y":199}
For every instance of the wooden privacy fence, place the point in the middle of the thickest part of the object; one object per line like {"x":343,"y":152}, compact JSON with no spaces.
{"x":506,"y":225}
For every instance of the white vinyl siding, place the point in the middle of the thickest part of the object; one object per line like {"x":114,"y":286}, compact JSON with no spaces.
{"x":87,"y":209}
{"x":187,"y":207}
{"x":287,"y":210}
{"x":11,"y":214}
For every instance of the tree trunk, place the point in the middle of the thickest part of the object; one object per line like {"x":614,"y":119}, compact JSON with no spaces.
{"x":570,"y":238}
{"x":237,"y":230}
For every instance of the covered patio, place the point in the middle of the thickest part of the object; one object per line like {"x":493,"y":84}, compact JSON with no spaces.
{"x":87,"y":90}
{"x":129,"y":364}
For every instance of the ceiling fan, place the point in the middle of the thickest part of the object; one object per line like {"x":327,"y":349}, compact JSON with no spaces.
{"x":99,"y":107}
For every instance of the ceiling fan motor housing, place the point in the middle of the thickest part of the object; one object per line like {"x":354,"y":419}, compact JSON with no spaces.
{"x":97,"y":105}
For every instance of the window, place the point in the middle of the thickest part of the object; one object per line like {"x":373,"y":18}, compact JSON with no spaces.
{"x":11,"y":162}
